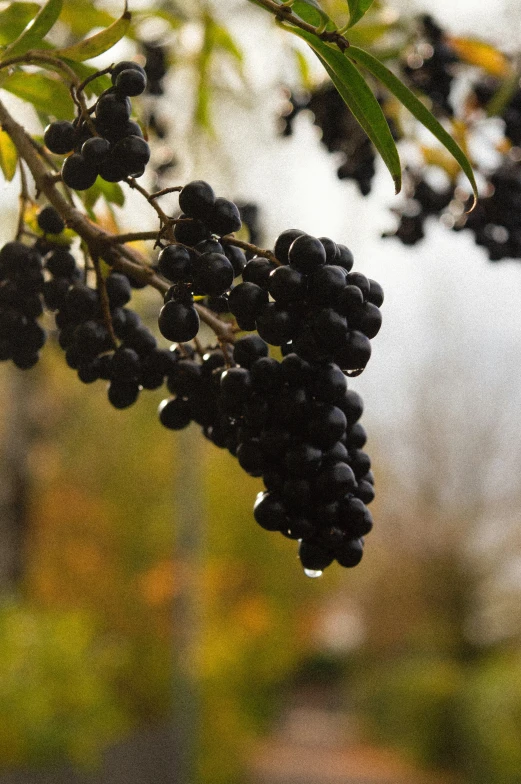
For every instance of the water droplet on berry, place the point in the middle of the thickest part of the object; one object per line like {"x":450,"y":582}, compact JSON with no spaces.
{"x":312,"y":573}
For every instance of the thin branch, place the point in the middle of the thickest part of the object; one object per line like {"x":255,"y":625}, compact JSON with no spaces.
{"x":173,"y":189}
{"x":267,"y":254}
{"x":24,"y":200}
{"x":104,"y":299}
{"x":134,"y":236}
{"x":284,"y":14}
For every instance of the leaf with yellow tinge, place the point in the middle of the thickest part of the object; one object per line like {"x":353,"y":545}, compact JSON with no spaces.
{"x":99,"y":43}
{"x":484,"y":55}
{"x":8,"y":156}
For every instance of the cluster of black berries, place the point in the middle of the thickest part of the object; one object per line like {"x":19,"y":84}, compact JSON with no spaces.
{"x":430,"y":67}
{"x":484,"y":91}
{"x":295,"y":423}
{"x":21,"y":284}
{"x":110,"y":144}
{"x":195,"y":391}
{"x":198,"y":264}
{"x":129,"y":358}
{"x":311,"y":304}
{"x":495,"y":221}
{"x":423,"y":203}
{"x":297,"y":427}
{"x":341,"y":133}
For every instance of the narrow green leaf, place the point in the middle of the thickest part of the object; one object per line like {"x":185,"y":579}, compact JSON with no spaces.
{"x":46,"y":94}
{"x":36,"y":30}
{"x":416,"y":107}
{"x":81,"y":18}
{"x":99,"y":43}
{"x":357,"y":9}
{"x":303,"y":69}
{"x":14,"y":19}
{"x":311,"y":12}
{"x":224,"y":40}
{"x":8,"y":156}
{"x":358,"y":96}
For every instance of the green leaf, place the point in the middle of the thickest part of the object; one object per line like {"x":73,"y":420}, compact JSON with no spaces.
{"x":14,"y":19}
{"x":358,"y":96}
{"x":36,"y":30}
{"x":111,"y":192}
{"x":416,"y":107}
{"x":225,"y":41}
{"x":84,"y":17}
{"x":357,"y":9}
{"x":99,"y":43}
{"x":46,"y":94}
{"x":311,"y":12}
{"x":8,"y":156}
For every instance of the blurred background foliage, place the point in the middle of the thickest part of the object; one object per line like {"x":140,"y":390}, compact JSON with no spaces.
{"x":421,"y":644}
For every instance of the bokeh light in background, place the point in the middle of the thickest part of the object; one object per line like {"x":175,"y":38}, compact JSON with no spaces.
{"x":417,"y":649}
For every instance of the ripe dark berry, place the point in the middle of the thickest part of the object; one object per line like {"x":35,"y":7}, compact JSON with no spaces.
{"x":269,"y":512}
{"x":111,"y":170}
{"x":174,"y":262}
{"x":236,"y":257}
{"x":112,"y":110}
{"x":248,"y":350}
{"x":61,"y":263}
{"x":283,"y":243}
{"x":119,"y":289}
{"x":350,"y":552}
{"x":246,"y":301}
{"x":77,"y":173}
{"x":123,"y":394}
{"x":275,"y":324}
{"x":197,"y":199}
{"x":224,"y":217}
{"x":125,"y":65}
{"x":50,"y":221}
{"x":258,"y":271}
{"x":376,"y":293}
{"x":213,"y":274}
{"x":59,"y":137}
{"x":94,"y":150}
{"x":175,"y":413}
{"x":130,"y":82}
{"x":313,"y":556}
{"x":190,"y":231}
{"x":132,"y":153}
{"x":286,"y":284}
{"x":178,"y":322}
{"x":307,"y":253}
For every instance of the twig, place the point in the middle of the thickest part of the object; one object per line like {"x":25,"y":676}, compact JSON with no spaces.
{"x":267,"y":254}
{"x":24,"y":199}
{"x":284,"y":14}
{"x":163,"y":192}
{"x":104,"y":299}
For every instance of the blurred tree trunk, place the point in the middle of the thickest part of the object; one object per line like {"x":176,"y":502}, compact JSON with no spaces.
{"x":188,"y":605}
{"x":14,"y":478}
